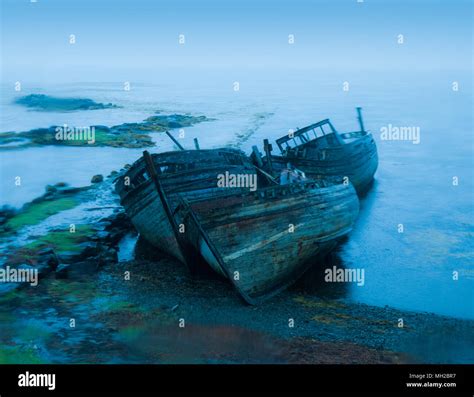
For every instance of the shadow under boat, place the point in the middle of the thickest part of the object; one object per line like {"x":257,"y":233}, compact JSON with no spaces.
{"x":262,"y":240}
{"x":314,"y":282}
{"x":320,"y":151}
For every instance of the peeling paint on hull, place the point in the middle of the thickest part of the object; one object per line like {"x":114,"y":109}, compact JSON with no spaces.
{"x":264,"y":244}
{"x":262,"y":241}
{"x":188,"y":173}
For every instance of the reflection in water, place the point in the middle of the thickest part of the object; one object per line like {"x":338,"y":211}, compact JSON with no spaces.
{"x":126,"y":247}
{"x":313,"y":281}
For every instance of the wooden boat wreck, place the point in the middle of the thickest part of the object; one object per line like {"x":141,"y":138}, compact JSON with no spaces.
{"x":180,"y":172}
{"x":261,"y":240}
{"x":320,"y":151}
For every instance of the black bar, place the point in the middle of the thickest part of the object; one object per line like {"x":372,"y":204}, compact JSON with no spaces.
{"x":240,"y":378}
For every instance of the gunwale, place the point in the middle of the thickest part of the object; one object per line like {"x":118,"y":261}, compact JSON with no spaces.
{"x":356,"y":159}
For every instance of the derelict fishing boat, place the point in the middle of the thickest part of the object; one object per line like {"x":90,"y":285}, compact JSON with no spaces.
{"x":184,"y":172}
{"x":319,"y":150}
{"x":263,"y":241}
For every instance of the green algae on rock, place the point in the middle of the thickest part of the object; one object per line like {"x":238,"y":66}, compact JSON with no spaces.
{"x":61,"y":241}
{"x":36,"y":212}
{"x":47,"y":103}
{"x":128,"y":135}
{"x":57,"y":198}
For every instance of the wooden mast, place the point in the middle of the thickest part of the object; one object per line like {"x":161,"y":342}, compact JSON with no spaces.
{"x":359,"y":117}
{"x":174,"y":140}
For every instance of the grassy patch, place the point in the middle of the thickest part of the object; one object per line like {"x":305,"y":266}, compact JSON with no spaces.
{"x":131,"y":135}
{"x":71,"y":293}
{"x":58,"y":240}
{"x":37,"y":212}
{"x":17,"y":355}
{"x":33,"y":331}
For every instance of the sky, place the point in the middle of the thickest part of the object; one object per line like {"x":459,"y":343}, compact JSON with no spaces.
{"x":141,"y":37}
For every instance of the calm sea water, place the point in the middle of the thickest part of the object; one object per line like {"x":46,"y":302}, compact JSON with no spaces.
{"x":414,"y":183}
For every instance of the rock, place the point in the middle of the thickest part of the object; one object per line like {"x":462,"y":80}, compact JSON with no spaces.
{"x":80,"y":269}
{"x":51,"y":189}
{"x":88,"y":250}
{"x":102,"y":127}
{"x":119,"y":220}
{"x":68,"y":256}
{"x":115,"y":235}
{"x":107,"y":255}
{"x":97,"y":178}
{"x":6,"y":212}
{"x":98,"y":227}
{"x":49,"y":103}
{"x":101,"y":235}
{"x":105,"y":223}
{"x":47,"y":260}
{"x":110,"y":255}
{"x":62,"y":271}
{"x":5,"y":288}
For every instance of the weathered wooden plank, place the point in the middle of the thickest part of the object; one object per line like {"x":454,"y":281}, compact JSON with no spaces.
{"x":356,"y":159}
{"x":257,"y":249}
{"x":184,"y":172}
{"x":237,"y":230}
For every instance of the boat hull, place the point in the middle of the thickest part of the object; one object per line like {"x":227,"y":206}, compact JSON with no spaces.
{"x":190,"y":172}
{"x":355,"y":159}
{"x":264,"y":244}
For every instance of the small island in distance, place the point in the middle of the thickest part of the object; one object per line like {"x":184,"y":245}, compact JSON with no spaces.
{"x":46,"y":103}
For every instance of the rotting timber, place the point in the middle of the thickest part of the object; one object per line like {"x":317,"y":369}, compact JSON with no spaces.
{"x":261,"y":240}
{"x":181,"y":173}
{"x":320,"y":151}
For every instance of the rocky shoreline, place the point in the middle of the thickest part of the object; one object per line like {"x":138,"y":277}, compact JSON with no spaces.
{"x":77,"y":249}
{"x":133,"y":304}
{"x":126,"y":135}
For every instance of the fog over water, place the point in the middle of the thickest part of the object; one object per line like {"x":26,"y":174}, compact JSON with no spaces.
{"x":281,"y":87}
